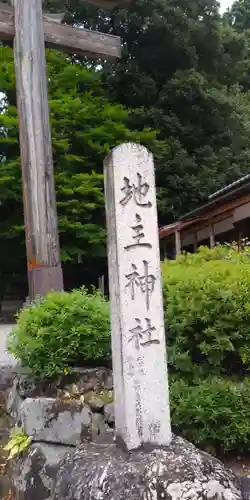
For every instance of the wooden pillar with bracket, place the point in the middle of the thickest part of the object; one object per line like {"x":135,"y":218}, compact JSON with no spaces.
{"x":39,"y":200}
{"x":177,"y":242}
{"x":211,"y":235}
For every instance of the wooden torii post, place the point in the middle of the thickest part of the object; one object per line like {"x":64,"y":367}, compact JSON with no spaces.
{"x":30,"y":30}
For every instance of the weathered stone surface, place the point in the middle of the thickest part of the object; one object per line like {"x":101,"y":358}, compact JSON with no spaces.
{"x":109,"y":382}
{"x":96,"y":404}
{"x":245,"y":487}
{"x":109,"y":413}
{"x":54,"y":421}
{"x":91,"y":379}
{"x":30,"y":387}
{"x":7,"y":375}
{"x":98,"y":425}
{"x":8,"y":371}
{"x":5,"y":469}
{"x":13,"y":401}
{"x":11,"y":389}
{"x":100,"y":471}
{"x":79,"y":381}
{"x":26,"y":385}
{"x":35,"y":472}
{"x":142,"y":410}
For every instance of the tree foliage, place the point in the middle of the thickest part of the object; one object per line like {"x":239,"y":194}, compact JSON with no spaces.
{"x":85,"y":126}
{"x":61,"y":331}
{"x":181,"y":88}
{"x":180,"y":74}
{"x":207,"y":312}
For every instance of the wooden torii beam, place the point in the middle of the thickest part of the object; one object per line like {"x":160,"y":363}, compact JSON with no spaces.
{"x":65,"y":38}
{"x":30,"y":30}
{"x":103,"y":4}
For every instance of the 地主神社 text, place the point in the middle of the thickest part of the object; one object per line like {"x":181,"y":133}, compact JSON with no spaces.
{"x":138,"y":335}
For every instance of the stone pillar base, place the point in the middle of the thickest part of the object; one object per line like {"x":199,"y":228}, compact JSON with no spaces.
{"x":178,"y":472}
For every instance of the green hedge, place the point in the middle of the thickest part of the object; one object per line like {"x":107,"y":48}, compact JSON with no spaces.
{"x":62,"y":330}
{"x":207,"y":313}
{"x":213,"y":413}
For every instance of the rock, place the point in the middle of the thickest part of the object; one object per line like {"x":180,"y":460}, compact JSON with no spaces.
{"x":35,"y":472}
{"x":54,"y":421}
{"x":109,"y":382}
{"x":78,"y":382}
{"x":101,"y":471}
{"x":92,"y":379}
{"x":13,"y":401}
{"x":8,"y":374}
{"x":27,"y":386}
{"x":75,"y":390}
{"x":109,"y":413}
{"x":9,"y":397}
{"x":31,"y":387}
{"x":98,"y":425}
{"x":96,"y":404}
{"x":245,"y":487}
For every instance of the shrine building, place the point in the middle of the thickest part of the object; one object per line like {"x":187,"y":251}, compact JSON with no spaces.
{"x":224,"y":218}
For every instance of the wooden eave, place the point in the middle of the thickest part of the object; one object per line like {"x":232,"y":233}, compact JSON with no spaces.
{"x":213,"y":215}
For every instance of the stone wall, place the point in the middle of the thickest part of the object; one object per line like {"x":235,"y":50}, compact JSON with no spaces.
{"x":5,"y":474}
{"x":76,"y":409}
{"x":58,"y":416}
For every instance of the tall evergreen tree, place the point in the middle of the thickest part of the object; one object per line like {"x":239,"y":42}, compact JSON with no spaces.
{"x":184,"y":74}
{"x":85,"y":126}
{"x":181,"y":74}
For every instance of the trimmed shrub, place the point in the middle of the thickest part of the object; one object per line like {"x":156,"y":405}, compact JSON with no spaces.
{"x":213,"y":414}
{"x":207,"y":312}
{"x":62,"y":330}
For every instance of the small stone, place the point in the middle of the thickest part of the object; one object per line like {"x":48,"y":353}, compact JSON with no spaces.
{"x":55,"y":421}
{"x":66,"y":395}
{"x":109,"y":383}
{"x":109,"y":413}
{"x":75,"y":390}
{"x":13,"y":401}
{"x":89,"y":379}
{"x":96,"y":404}
{"x":32,"y":387}
{"x":26,"y":386}
{"x":98,"y":425}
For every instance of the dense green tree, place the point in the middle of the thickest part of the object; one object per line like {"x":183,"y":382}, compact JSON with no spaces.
{"x":238,"y":18}
{"x":184,"y":73}
{"x":190,"y":64}
{"x":181,"y":74}
{"x":84,"y":128}
{"x":238,"y":15}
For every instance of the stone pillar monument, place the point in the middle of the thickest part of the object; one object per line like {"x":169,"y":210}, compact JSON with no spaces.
{"x":138,"y":336}
{"x":145,"y":462}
